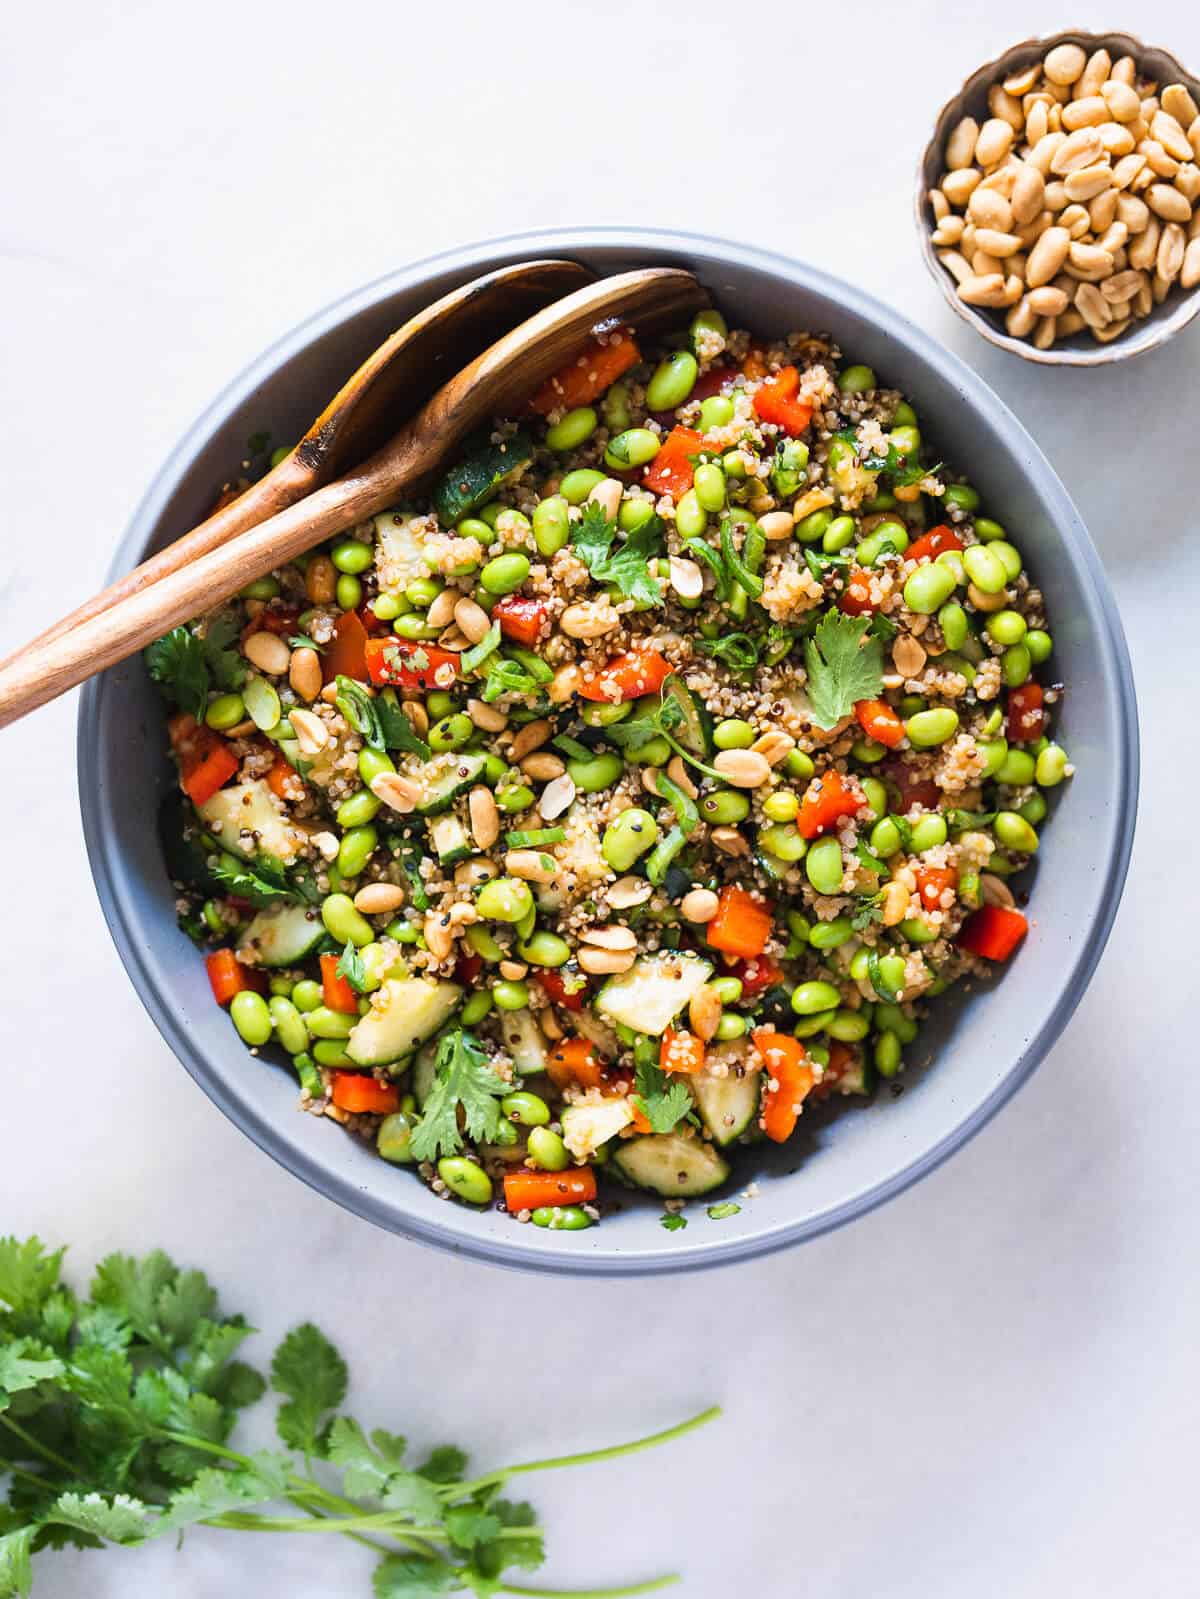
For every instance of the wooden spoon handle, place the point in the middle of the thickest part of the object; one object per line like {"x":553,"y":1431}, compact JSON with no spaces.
{"x":45,"y":669}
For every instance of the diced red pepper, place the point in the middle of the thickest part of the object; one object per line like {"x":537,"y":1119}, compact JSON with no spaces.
{"x":228,"y":976}
{"x":856,"y":598}
{"x":826,"y":800}
{"x":673,"y":468}
{"x":285,"y":781}
{"x":627,"y":677}
{"x":841,"y":1059}
{"x":993,"y":931}
{"x":467,"y":969}
{"x":410,"y":665}
{"x":273,"y":618}
{"x":879,"y":721}
{"x":360,"y":1093}
{"x":754,"y":363}
{"x":206,"y":762}
{"x":557,"y":991}
{"x":789,"y":1080}
{"x":336,"y":991}
{"x":585,"y":377}
{"x":933,"y":544}
{"x":712,"y":382}
{"x":932,"y":883}
{"x":776,"y":402}
{"x":372,"y":623}
{"x":346,"y":655}
{"x":521,"y":618}
{"x":529,"y":1190}
{"x":742,"y":924}
{"x":755,"y":975}
{"x":681,"y":1052}
{"x":1026,"y":718}
{"x":574,"y":1060}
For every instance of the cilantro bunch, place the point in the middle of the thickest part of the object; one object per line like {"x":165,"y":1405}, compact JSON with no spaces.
{"x":115,"y":1418}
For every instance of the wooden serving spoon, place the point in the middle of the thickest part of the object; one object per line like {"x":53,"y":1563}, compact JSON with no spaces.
{"x":385,"y":390}
{"x":495,"y":384}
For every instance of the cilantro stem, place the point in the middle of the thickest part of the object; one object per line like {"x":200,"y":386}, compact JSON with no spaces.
{"x":589,"y":1457}
{"x":37,"y":1446}
{"x":20,"y":1471}
{"x":651,"y":1585}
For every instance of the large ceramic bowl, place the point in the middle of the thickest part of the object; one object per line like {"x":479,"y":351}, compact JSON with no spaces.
{"x":973,"y":1054}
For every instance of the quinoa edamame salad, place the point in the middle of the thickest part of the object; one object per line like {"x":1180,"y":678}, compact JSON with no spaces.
{"x":585,"y":823}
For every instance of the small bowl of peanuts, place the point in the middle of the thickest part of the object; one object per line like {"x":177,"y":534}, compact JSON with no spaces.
{"x":1058,"y":201}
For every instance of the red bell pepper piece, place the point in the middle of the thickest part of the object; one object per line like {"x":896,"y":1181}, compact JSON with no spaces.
{"x":359,"y":1093}
{"x":1026,"y":718}
{"x":206,"y":762}
{"x":673,"y":468}
{"x":285,"y":781}
{"x":558,"y":993}
{"x":681,"y":1052}
{"x":789,"y":1080}
{"x":932,"y":883}
{"x":585,"y":377}
{"x":373,"y":625}
{"x":521,"y":618}
{"x":529,"y":1190}
{"x":879,"y":721}
{"x":336,"y":991}
{"x":228,"y":976}
{"x":346,"y":656}
{"x":755,"y":975}
{"x":410,"y":665}
{"x":856,"y":598}
{"x":993,"y":931}
{"x":273,"y":618}
{"x":627,"y":677}
{"x":574,"y":1060}
{"x":776,"y":402}
{"x":742,"y":924}
{"x":933,"y":543}
{"x":826,"y":800}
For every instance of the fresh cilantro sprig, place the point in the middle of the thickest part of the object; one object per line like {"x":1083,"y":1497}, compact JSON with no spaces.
{"x":260,"y":881}
{"x":116,"y":1412}
{"x":353,"y":968}
{"x":902,"y":471}
{"x":398,"y":732}
{"x":842,"y":668}
{"x":623,"y":563}
{"x":663,"y":1105}
{"x":737,"y":651}
{"x":464,"y":1079}
{"x":657,"y":722}
{"x":186,"y":664}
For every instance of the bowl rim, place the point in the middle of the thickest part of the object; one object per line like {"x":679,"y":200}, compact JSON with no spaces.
{"x":603,"y":1261}
{"x":1154,"y":332}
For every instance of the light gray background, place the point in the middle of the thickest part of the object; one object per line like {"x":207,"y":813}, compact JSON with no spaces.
{"x":987,"y":1388}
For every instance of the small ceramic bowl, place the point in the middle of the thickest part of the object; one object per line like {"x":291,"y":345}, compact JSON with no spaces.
{"x":1079,"y":349}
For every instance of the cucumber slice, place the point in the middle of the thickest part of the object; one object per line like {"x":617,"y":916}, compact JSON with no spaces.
{"x":283,"y":935}
{"x":585,"y":1127}
{"x":472,"y":482}
{"x":650,"y":995}
{"x":250,"y":807}
{"x":399,"y":553}
{"x":695,"y":730}
{"x":728,"y":1105}
{"x":452,"y":777}
{"x":404,"y":1012}
{"x":859,"y":1078}
{"x":675,"y":1167}
{"x":524,"y":1040}
{"x":449,"y":838}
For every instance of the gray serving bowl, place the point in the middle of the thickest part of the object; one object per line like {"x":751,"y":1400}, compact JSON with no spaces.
{"x":976,"y":1050}
{"x":1080,"y":349}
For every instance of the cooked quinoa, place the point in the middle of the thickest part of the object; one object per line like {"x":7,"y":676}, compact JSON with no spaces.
{"x":635,"y":792}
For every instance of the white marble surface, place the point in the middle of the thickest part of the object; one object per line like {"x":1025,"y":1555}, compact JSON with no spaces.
{"x":988,"y":1387}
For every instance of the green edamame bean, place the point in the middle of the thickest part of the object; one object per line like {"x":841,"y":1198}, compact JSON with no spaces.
{"x":263,"y":588}
{"x":595,"y":775}
{"x":691,"y":519}
{"x":343,"y":922}
{"x":654,"y":752}
{"x":906,"y":439}
{"x":730,"y":1026}
{"x":841,"y":531}
{"x":546,"y":1150}
{"x":505,"y":573}
{"x":856,"y":380}
{"x":528,"y":1109}
{"x":355,"y":849}
{"x":887,"y":1054}
{"x":627,"y":838}
{"x":508,"y":994}
{"x":577,"y":485}
{"x":928,"y":589}
{"x":452,"y":732}
{"x":1051,"y":766}
{"x":249,"y":1014}
{"x":477,"y":1007}
{"x":438,"y":704}
{"x":860,"y":964}
{"x":799,"y":764}
{"x":561,"y":1218}
{"x":848,"y":1026}
{"x":984,"y":567}
{"x":733,"y":734}
{"x":885,"y":838}
{"x":573,"y":430}
{"x":814,"y":526}
{"x":962,"y":496}
{"x":289,"y":1024}
{"x":995,"y":752}
{"x":394,"y":1138}
{"x":928,"y":833}
{"x":673,"y":380}
{"x":831,"y":935}
{"x":823,"y":865}
{"x":886,"y":538}
{"x":551,"y":524}
{"x":306,"y":995}
{"x":877,"y":798}
{"x":545,"y":949}
{"x":709,"y":486}
{"x":1039,"y":644}
{"x":505,"y":899}
{"x":1033,"y":810}
{"x":705,"y":325}
{"x":1016,"y":770}
{"x":927,"y":729}
{"x":615,"y":406}
{"x":466,"y":1179}
{"x":890,"y":1018}
{"x":904,"y":415}
{"x":348,"y":592}
{"x":727,"y":989}
{"x":635,"y":513}
{"x":1016,"y":664}
{"x":331,"y":1052}
{"x":1015,"y":833}
{"x":810,"y":1026}
{"x":513,"y":526}
{"x":726,"y":807}
{"x":514,"y":797}
{"x":918,"y":931}
{"x":281,"y":987}
{"x":358,"y":810}
{"x":952,"y":620}
{"x":715,"y":412}
{"x":414,"y":627}
{"x":387,"y":607}
{"x":987,"y":530}
{"x":634,"y":447}
{"x":351,"y":556}
{"x":781,"y":806}
{"x":783,"y":841}
{"x":326,"y":1023}
{"x":1009,"y":556}
{"x":810,"y":999}
{"x":867,"y":751}
{"x":226,"y":711}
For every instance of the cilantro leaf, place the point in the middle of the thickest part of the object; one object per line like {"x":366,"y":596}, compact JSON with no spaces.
{"x":672,"y":1222}
{"x":841,"y":669}
{"x":16,"y":1572}
{"x":664,"y":1107}
{"x":623,"y":563}
{"x":120,"y":1519}
{"x":409,"y":853}
{"x":312,"y":1376}
{"x":301,"y":641}
{"x":414,"y":1577}
{"x":446,"y":1463}
{"x":177,"y":664}
{"x":398,"y":732}
{"x":28,"y":1273}
{"x":357,"y":706}
{"x":24,"y":1363}
{"x":215,"y":1490}
{"x":463,"y":1076}
{"x":227,"y":665}
{"x":737,"y":651}
{"x":352,"y":967}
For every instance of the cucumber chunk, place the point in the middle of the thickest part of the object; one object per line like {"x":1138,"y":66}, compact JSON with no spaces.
{"x":675,"y":1167}
{"x":728,"y":1105}
{"x":473,"y":481}
{"x":452,"y":777}
{"x":250,"y":808}
{"x":524,"y":1040}
{"x":405,"y":1011}
{"x":282,"y":935}
{"x":449,"y":838}
{"x":654,"y":990}
{"x":695,"y":730}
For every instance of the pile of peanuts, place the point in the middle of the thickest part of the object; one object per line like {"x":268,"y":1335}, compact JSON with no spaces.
{"x":1073,"y":205}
